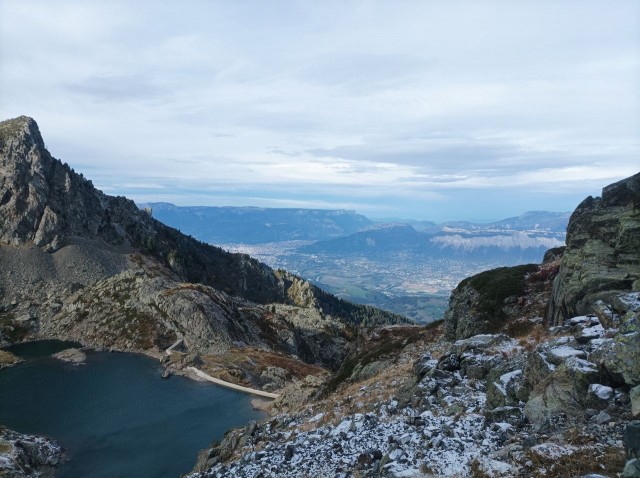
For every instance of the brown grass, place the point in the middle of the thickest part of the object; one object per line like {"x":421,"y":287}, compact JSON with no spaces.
{"x":476,"y":471}
{"x":237,"y":363}
{"x":607,"y":461}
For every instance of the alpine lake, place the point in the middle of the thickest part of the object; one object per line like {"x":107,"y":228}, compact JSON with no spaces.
{"x":114,"y":415}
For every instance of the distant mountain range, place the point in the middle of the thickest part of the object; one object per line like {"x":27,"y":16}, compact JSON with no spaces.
{"x":538,"y":221}
{"x":519,"y":239}
{"x":514,"y":240}
{"x":253,"y":225}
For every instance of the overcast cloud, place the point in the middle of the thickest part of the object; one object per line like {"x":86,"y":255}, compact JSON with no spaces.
{"x":425,"y":109}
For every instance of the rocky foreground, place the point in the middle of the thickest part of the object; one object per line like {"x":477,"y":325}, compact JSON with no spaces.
{"x":24,"y":456}
{"x":488,"y":405}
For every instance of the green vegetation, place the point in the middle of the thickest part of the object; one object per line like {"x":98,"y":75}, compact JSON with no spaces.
{"x":11,"y":128}
{"x":496,"y":285}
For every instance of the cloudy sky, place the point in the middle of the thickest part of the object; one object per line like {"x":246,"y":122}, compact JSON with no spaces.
{"x":416,"y":109}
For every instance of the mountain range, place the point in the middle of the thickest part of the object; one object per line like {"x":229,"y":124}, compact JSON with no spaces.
{"x":519,"y":239}
{"x":487,"y":243}
{"x":253,"y":225}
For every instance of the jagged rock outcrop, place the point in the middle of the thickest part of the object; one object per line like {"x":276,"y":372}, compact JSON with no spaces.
{"x":500,"y":300}
{"x":79,"y":264}
{"x":602,"y":255}
{"x":23,"y":456}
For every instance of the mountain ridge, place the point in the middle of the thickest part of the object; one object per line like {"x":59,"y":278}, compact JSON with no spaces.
{"x":79,"y":264}
{"x":226,"y":224}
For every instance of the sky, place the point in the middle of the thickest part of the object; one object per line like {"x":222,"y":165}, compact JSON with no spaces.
{"x":438,"y":110}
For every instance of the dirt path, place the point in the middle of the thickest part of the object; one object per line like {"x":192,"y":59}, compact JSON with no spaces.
{"x":253,"y":391}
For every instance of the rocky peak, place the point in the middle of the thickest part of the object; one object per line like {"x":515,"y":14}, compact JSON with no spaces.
{"x":43,"y":200}
{"x":21,"y":130}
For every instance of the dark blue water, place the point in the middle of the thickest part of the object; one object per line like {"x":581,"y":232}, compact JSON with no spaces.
{"x":115,"y":415}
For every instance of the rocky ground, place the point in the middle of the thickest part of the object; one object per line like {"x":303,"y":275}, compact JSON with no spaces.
{"x":540,"y":405}
{"x":24,"y":456}
{"x":74,"y":356}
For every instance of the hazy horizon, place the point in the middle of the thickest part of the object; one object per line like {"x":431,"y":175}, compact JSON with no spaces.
{"x":373,"y":217}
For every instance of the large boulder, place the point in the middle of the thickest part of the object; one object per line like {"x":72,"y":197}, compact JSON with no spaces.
{"x":486,"y":302}
{"x":563,"y":392}
{"x":602,"y":256}
{"x":619,"y":355}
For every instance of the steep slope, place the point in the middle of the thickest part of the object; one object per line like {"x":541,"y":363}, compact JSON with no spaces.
{"x":253,"y":225}
{"x":77,"y":263}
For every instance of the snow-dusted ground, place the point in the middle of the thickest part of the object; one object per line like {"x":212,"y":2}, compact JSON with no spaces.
{"x":405,"y":442}
{"x":461,"y":416}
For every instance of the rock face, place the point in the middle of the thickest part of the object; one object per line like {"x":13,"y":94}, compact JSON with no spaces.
{"x":23,"y":456}
{"x":602,"y":253}
{"x":500,"y":300}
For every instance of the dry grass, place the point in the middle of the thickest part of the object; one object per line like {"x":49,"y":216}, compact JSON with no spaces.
{"x":476,"y":471}
{"x":607,"y":461}
{"x":240,"y":364}
{"x":577,"y":436}
{"x":537,"y":334}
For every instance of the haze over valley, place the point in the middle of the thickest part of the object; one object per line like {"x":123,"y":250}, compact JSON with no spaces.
{"x":406,"y":267}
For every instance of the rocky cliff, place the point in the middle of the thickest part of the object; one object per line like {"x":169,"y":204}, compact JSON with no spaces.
{"x":602,"y":254}
{"x":23,"y":456}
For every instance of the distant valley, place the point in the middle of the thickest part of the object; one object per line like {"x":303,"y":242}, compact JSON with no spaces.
{"x":407,"y":267}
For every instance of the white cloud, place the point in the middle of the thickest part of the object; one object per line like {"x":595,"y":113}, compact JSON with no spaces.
{"x":318,"y":102}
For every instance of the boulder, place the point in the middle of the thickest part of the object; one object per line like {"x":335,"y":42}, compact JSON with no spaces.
{"x":631,"y":469}
{"x":509,"y":389}
{"x":546,"y":357}
{"x":481,"y":342}
{"x":621,"y":357}
{"x":599,"y":396}
{"x":564,"y":391}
